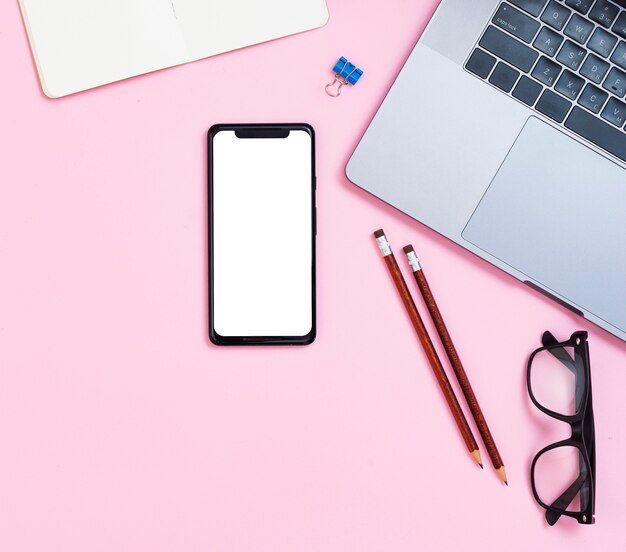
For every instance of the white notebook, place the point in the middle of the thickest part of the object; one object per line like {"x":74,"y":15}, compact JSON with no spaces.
{"x":81,"y":44}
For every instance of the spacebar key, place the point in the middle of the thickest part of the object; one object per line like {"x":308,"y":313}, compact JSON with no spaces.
{"x":509,"y":49}
{"x":601,"y":134}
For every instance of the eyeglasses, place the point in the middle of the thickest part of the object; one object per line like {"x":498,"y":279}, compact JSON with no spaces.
{"x":563,"y":475}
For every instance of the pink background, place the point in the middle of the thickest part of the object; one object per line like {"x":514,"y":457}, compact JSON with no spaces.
{"x":123,"y":429}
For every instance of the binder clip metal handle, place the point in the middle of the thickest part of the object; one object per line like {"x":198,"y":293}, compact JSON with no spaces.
{"x":345,"y":73}
{"x":337,"y":92}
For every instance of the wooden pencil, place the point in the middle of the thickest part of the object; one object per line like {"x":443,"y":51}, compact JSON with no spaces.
{"x":455,"y":361}
{"x":427,"y":344}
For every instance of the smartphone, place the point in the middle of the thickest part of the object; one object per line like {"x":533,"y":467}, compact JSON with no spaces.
{"x":262,"y":226}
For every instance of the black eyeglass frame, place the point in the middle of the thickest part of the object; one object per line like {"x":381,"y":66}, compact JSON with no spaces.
{"x":583,"y":431}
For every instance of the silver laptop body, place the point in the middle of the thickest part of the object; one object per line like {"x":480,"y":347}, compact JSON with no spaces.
{"x":504,"y":132}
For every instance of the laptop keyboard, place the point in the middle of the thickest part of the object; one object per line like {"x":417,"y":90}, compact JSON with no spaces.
{"x":564,"y":58}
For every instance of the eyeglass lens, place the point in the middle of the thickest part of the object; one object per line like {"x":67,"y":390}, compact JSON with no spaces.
{"x":557,"y":380}
{"x":561,"y":479}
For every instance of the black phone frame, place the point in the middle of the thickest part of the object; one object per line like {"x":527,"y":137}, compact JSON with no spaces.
{"x":259,"y":130}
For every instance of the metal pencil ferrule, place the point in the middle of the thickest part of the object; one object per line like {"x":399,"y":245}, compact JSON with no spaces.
{"x":414,"y":262}
{"x":384,"y":245}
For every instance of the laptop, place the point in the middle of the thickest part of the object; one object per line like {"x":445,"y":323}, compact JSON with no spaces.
{"x":504,"y":132}
{"x":81,"y":44}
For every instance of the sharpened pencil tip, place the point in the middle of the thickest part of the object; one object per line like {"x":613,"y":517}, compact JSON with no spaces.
{"x":476,"y":455}
{"x":379,"y":233}
{"x":502,"y":474}
{"x":481,"y":466}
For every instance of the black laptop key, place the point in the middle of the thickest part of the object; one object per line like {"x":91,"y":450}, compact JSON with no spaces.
{"x":508,"y":49}
{"x":615,"y":112}
{"x":546,"y":71}
{"x":604,"y":12}
{"x":597,"y":132}
{"x":581,"y":6}
{"x":533,"y":7}
{"x":556,"y":15}
{"x":579,"y":29}
{"x":517,"y":23}
{"x":594,"y":69}
{"x":548,"y":41}
{"x":553,"y":105}
{"x":593,"y":98}
{"x":504,"y":77}
{"x":571,"y":55}
{"x":569,"y":85}
{"x":527,"y":90}
{"x":616,"y":82}
{"x":480,"y":63}
{"x":619,"y":55}
{"x":620,"y":25}
{"x":602,"y":42}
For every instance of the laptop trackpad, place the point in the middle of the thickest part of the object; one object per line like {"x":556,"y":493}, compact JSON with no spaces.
{"x":556,"y":211}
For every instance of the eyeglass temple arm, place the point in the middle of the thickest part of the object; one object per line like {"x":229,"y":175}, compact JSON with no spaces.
{"x":565,"y":499}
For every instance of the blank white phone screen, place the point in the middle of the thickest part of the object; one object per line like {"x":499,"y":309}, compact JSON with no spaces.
{"x":262,"y":235}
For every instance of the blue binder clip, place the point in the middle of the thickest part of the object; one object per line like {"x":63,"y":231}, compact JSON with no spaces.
{"x":345,"y":73}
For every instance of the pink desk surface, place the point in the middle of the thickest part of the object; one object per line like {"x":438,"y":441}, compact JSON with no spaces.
{"x":123,"y":429}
